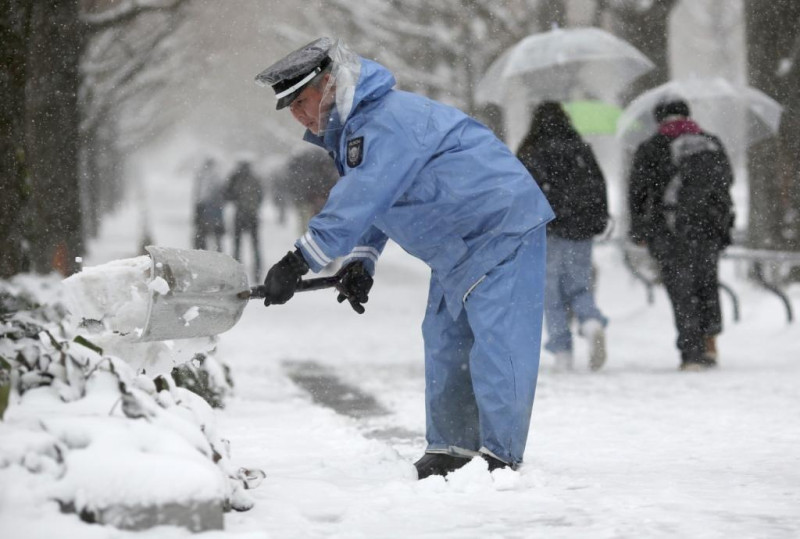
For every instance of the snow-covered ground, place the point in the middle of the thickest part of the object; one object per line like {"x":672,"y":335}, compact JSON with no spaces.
{"x":636,"y":450}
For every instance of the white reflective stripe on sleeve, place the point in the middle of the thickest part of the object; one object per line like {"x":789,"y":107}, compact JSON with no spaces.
{"x":471,"y":288}
{"x":313,"y":249}
{"x":294,"y":87}
{"x":365,"y":252}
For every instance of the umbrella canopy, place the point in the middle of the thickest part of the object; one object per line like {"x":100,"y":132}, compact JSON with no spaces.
{"x":739,"y":115}
{"x":593,"y":117}
{"x":563,"y":64}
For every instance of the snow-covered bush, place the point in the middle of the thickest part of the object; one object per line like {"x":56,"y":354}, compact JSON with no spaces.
{"x":206,"y":376}
{"x":117,"y":444}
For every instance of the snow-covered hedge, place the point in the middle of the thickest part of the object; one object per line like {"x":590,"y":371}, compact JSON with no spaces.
{"x":205,"y":376}
{"x":118,"y":441}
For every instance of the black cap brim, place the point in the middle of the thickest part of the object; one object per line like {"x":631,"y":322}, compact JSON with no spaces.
{"x":287,"y":100}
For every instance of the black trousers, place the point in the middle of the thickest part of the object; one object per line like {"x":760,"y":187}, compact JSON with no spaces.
{"x":245,"y":223}
{"x":689,"y":271}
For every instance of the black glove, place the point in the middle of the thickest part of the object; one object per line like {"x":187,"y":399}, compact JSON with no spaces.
{"x":354,"y":285}
{"x":283,"y":278}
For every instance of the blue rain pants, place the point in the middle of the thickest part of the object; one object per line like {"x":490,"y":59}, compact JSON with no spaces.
{"x":481,"y":368}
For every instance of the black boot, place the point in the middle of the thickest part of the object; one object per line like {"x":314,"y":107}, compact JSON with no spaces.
{"x":494,"y":463}
{"x":699,"y":362}
{"x":438,"y":464}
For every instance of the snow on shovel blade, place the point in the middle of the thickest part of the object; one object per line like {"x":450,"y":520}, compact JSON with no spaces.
{"x":202,"y":297}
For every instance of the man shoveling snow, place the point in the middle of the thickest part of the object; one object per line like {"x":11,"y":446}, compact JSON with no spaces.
{"x":450,"y":193}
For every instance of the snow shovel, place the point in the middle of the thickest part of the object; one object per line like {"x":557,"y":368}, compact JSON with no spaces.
{"x":207,"y":293}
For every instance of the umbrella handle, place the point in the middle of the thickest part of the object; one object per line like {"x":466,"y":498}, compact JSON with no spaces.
{"x":260,"y":291}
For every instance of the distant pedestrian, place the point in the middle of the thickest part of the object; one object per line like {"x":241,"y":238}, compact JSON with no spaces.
{"x":209,"y":205}
{"x":315,"y":174}
{"x":244,"y":189}
{"x":565,"y":168}
{"x":305,"y":181}
{"x":681,"y":208}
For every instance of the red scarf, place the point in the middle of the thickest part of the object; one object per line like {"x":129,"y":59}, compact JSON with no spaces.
{"x":679,"y":126}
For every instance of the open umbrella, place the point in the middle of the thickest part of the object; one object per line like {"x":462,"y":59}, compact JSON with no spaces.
{"x":739,"y":115}
{"x":593,"y":117}
{"x":563,"y":64}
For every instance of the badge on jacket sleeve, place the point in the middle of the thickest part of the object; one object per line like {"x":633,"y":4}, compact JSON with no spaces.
{"x":355,"y":151}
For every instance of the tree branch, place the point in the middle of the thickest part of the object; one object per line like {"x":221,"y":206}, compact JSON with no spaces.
{"x":127,"y":11}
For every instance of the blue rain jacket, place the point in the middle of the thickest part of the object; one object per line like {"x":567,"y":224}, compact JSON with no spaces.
{"x":429,"y":177}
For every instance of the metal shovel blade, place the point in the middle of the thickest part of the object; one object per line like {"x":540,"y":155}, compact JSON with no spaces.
{"x":202,"y":298}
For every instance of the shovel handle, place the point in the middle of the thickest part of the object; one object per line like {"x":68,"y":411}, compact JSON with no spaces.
{"x":260,"y":291}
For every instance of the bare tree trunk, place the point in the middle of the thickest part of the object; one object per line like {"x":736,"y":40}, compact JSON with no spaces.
{"x":772,"y":37}
{"x":550,"y":13}
{"x":14,"y":23}
{"x":647,"y":29}
{"x":51,"y":134}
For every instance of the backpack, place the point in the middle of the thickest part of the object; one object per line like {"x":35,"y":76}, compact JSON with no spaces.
{"x":572,"y":182}
{"x":697,"y":202}
{"x":592,"y":203}
{"x":576,"y":189}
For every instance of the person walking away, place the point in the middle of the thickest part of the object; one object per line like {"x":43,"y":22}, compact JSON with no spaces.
{"x":246,"y":192}
{"x":209,"y":204}
{"x":681,"y":209}
{"x":449,"y":192}
{"x":565,"y":168}
{"x":313,"y":176}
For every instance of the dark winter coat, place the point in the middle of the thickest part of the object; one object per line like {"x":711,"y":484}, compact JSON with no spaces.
{"x":245,"y":191}
{"x":566,"y":170}
{"x":704,"y":213}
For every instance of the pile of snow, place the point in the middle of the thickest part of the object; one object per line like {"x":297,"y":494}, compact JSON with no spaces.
{"x":112,"y":301}
{"x":89,"y":433}
{"x":116,"y":293}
